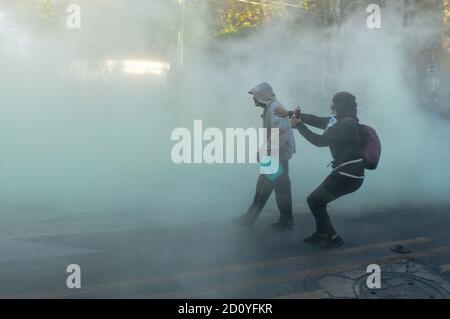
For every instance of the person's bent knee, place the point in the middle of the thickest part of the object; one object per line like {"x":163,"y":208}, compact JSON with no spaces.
{"x":313,"y":200}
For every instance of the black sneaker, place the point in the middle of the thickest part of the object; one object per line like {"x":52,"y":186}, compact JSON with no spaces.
{"x":283,"y":225}
{"x":315,"y":240}
{"x":242,"y":221}
{"x":330,"y":244}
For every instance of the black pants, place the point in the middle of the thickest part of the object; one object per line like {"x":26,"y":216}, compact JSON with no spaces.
{"x":264,"y":188}
{"x":333,"y":187}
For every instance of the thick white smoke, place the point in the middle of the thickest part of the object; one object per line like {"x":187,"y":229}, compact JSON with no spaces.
{"x":93,"y":149}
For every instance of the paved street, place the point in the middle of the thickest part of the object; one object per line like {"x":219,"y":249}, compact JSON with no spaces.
{"x":217,"y":259}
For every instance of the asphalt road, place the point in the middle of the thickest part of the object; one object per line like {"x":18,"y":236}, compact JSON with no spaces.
{"x":222,"y":260}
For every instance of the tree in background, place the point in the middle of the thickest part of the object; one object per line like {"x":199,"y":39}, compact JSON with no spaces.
{"x":239,"y":17}
{"x":227,"y":18}
{"x":236,"y":18}
{"x":329,"y":12}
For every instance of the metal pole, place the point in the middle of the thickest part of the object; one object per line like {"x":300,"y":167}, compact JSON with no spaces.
{"x":182,"y":4}
{"x":446,"y":22}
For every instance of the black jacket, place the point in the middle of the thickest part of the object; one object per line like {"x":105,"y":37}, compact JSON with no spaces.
{"x":343,"y":139}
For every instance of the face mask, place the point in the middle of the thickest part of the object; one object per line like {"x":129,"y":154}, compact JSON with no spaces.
{"x":333,"y":110}
{"x":332,"y":122}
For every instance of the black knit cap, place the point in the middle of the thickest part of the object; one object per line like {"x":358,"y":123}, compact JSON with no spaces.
{"x":344,"y":99}
{"x":345,"y":105}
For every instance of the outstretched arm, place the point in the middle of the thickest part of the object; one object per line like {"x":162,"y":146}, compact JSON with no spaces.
{"x":312,"y":120}
{"x":343,"y":131}
{"x":315,"y":121}
{"x":315,"y":139}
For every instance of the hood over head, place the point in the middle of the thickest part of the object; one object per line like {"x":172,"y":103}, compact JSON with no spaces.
{"x":263,"y":93}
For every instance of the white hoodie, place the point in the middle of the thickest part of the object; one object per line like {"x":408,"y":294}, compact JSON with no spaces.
{"x":264,"y":93}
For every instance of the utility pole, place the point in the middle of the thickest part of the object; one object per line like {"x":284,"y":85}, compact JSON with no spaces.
{"x":182,"y":4}
{"x":446,"y":22}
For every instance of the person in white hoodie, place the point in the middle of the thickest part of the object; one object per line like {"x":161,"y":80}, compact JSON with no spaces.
{"x":264,"y":97}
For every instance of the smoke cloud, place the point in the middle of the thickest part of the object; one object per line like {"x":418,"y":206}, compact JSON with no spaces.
{"x":99,"y":149}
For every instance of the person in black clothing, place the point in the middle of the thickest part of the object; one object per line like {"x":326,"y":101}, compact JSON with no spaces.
{"x":342,"y":136}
